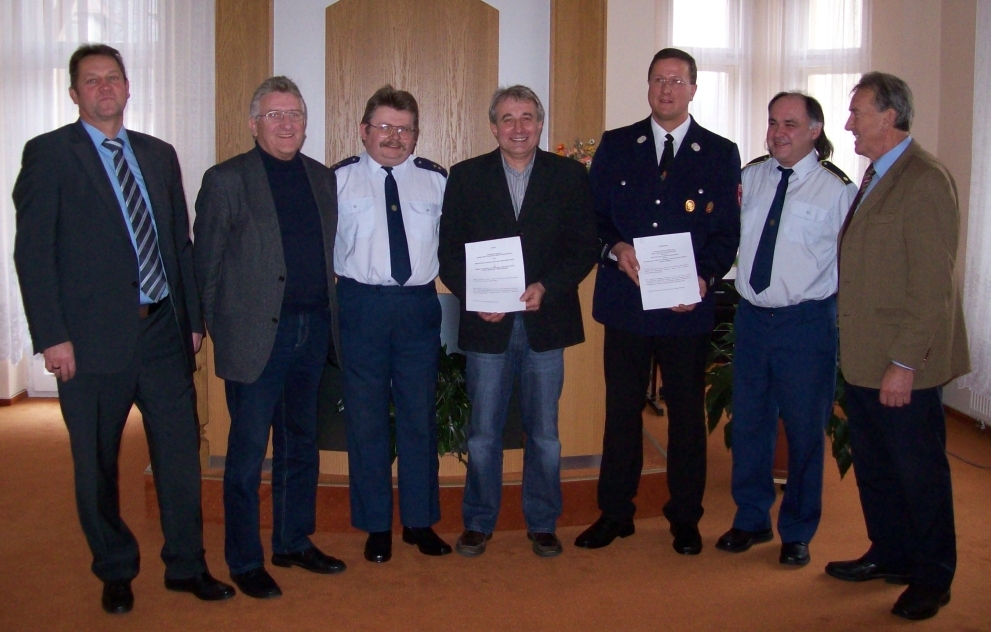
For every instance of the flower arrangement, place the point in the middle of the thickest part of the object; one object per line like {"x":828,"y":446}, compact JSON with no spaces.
{"x":580,"y":151}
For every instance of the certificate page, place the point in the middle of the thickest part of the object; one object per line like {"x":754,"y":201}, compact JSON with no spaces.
{"x":494,"y":276}
{"x":667,"y":271}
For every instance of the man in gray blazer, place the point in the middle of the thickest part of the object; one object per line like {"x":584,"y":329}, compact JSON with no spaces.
{"x":118,"y":323}
{"x":264,"y":254}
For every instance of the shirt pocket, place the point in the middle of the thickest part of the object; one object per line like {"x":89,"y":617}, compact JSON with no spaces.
{"x":424,"y":219}
{"x":805,"y":223}
{"x":356,"y":218}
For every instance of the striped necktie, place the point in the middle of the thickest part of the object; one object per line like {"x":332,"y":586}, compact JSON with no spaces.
{"x":150,"y":268}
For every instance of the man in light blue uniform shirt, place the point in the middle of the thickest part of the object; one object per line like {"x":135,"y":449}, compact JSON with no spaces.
{"x":385,"y":256}
{"x":794,"y":203}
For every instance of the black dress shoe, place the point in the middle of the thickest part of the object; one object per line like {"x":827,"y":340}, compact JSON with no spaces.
{"x":795,"y":554}
{"x":257,"y":583}
{"x":687,"y":539}
{"x":861,"y":570}
{"x":117,"y":596}
{"x":472,"y":543}
{"x":378,"y":547}
{"x":737,"y":540}
{"x":545,"y":544}
{"x":204,"y":586}
{"x":603,"y":531}
{"x":311,"y":559}
{"x":426,"y":540}
{"x":920,"y":602}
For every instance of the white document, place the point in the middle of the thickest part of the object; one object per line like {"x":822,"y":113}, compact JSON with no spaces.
{"x":667,"y":271}
{"x":494,"y":276}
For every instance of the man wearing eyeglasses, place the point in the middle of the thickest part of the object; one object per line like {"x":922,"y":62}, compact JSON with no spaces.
{"x":264,"y":251}
{"x":389,"y":204}
{"x":663,"y":175}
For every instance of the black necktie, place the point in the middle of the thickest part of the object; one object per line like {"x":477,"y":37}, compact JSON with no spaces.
{"x":667,"y":155}
{"x":760,"y":273}
{"x":150,"y":268}
{"x":398,"y":246}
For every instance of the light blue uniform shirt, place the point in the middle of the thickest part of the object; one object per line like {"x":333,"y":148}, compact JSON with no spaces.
{"x":107,"y":157}
{"x":882,"y":164}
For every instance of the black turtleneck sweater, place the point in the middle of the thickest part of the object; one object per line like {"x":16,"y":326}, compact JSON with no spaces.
{"x":302,"y":234}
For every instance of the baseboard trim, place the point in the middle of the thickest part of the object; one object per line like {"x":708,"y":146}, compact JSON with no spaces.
{"x":13,"y":400}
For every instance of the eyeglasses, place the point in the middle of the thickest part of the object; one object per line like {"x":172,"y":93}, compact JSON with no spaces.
{"x":387,"y":130}
{"x":277,"y":116}
{"x":673,"y":82}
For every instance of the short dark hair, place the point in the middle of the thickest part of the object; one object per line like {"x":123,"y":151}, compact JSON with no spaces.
{"x":813,"y":109}
{"x":274,"y":84}
{"x":89,"y":50}
{"x":890,"y":93}
{"x":516,"y":93}
{"x":389,"y":97}
{"x":676,"y":53}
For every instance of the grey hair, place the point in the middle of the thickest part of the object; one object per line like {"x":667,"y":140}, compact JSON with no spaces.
{"x":274,"y":84}
{"x":890,"y":93}
{"x":516,"y":93}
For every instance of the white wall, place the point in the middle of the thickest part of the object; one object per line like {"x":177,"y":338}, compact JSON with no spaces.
{"x":631,"y":27}
{"x":524,"y":54}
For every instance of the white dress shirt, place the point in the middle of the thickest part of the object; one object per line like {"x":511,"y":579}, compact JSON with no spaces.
{"x":677,"y":133}
{"x":816,"y":204}
{"x":361,"y":251}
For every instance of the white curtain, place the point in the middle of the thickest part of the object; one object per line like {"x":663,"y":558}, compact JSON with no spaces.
{"x":977,"y":287}
{"x":749,"y":50}
{"x":168,"y":49}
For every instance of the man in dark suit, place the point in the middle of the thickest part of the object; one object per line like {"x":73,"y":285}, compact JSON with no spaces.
{"x":264,"y":254}
{"x":105,"y":267}
{"x":518,"y":190}
{"x":662,"y":175}
{"x":902,"y":337}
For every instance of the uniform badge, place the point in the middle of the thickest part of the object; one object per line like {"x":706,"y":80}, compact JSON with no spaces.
{"x":709,"y":207}
{"x":689,"y":205}
{"x":695,"y":147}
{"x":641,"y":140}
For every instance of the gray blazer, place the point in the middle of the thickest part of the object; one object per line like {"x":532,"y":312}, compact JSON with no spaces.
{"x":238,"y":260}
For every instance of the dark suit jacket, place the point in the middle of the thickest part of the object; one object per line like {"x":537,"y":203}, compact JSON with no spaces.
{"x":239,"y":263}
{"x":77,"y":266}
{"x":699,"y":196}
{"x":899,"y":297}
{"x":557,"y":231}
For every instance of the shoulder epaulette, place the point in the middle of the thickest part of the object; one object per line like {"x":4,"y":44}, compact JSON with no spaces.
{"x":757,"y":161}
{"x":430,"y":165}
{"x":836,"y":171}
{"x":350,"y":160}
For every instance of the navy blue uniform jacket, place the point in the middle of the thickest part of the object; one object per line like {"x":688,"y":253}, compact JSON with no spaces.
{"x":700,"y":195}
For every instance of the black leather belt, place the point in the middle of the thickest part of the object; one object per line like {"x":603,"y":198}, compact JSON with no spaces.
{"x":144,"y":311}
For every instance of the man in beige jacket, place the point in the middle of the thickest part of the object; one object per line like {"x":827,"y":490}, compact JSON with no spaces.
{"x":902,"y":337}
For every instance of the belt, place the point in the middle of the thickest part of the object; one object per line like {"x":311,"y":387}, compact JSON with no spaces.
{"x":144,"y":311}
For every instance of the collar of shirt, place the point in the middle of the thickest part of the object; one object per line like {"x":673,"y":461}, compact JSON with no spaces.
{"x":677,"y":133}
{"x":802,"y":168}
{"x":98,"y":137}
{"x":376,"y":170}
{"x":882,"y":164}
{"x":526,"y":170}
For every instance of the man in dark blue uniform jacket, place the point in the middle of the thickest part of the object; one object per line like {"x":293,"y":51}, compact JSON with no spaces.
{"x":662,"y":175}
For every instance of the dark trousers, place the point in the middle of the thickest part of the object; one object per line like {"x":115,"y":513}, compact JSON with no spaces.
{"x":390,"y":344}
{"x":283,"y":398}
{"x":95,"y":408}
{"x":627,"y":368}
{"x":903,"y":477}
{"x":784,"y":364}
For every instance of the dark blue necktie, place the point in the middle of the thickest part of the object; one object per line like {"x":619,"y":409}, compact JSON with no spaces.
{"x":398,"y":246}
{"x":760,"y":273}
{"x":150,"y":269}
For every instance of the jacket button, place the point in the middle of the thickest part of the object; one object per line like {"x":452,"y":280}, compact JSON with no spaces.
{"x":282,"y":278}
{"x":654,"y":224}
{"x":134,"y":284}
{"x":275,"y":320}
{"x":657,"y":202}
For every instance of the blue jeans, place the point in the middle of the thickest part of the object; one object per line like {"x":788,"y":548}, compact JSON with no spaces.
{"x":490,"y":385}
{"x":283,"y":398}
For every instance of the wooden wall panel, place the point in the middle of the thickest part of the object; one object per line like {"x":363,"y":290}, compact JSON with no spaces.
{"x":578,"y":71}
{"x":444,"y":52}
{"x":243,"y":60}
